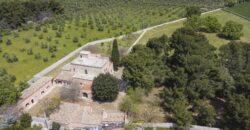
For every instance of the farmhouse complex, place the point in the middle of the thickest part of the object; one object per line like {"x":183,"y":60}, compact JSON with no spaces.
{"x":81,"y":72}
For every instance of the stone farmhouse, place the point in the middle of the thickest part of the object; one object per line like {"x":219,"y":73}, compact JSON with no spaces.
{"x":81,"y":71}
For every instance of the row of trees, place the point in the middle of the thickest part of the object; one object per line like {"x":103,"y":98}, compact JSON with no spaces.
{"x":15,"y":13}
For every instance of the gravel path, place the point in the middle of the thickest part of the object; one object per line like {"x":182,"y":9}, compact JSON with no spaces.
{"x":143,"y":31}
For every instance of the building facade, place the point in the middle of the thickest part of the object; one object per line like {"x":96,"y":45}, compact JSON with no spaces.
{"x":82,"y":71}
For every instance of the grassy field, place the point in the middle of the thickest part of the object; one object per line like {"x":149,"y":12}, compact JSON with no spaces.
{"x":106,"y":48}
{"x":242,"y":9}
{"x":222,"y":16}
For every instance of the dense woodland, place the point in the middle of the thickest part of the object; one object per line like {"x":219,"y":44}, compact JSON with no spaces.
{"x":202,"y":85}
{"x":15,"y":13}
{"x":199,"y":88}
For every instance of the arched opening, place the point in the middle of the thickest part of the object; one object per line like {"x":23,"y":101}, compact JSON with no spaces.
{"x":27,"y":104}
{"x":32,"y":100}
{"x":42,"y":92}
{"x":85,"y":95}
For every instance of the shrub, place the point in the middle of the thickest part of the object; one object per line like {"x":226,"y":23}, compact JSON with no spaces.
{"x":100,"y":28}
{"x":232,"y":30}
{"x":40,"y":36}
{"x":58,"y":34}
{"x":26,"y":40}
{"x":25,"y":120}
{"x":211,"y":24}
{"x":38,"y":56}
{"x":56,"y":126}
{"x":1,"y":50}
{"x":54,"y":27}
{"x":83,"y":35}
{"x":1,"y":40}
{"x":52,"y":48}
{"x":49,"y":38}
{"x":8,"y":42}
{"x":193,"y":11}
{"x":44,"y":46}
{"x":10,"y":58}
{"x":79,"y":44}
{"x":38,"y":28}
{"x":14,"y":58}
{"x":45,"y":59}
{"x":53,"y":55}
{"x":45,"y":30}
{"x":105,"y":88}
{"x":75,"y":40}
{"x":30,"y":51}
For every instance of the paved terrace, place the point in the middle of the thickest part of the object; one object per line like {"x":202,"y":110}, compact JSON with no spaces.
{"x":75,"y":115}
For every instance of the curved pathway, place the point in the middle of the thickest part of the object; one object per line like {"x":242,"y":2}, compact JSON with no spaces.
{"x":65,"y":58}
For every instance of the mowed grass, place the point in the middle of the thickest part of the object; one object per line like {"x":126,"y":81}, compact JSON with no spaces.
{"x":242,"y":9}
{"x":106,"y":48}
{"x":222,"y":16}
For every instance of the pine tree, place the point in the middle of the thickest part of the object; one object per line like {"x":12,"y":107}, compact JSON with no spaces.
{"x":115,"y":56}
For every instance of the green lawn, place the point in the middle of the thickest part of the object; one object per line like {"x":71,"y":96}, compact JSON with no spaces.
{"x":242,"y":9}
{"x":222,"y":16}
{"x":106,"y":48}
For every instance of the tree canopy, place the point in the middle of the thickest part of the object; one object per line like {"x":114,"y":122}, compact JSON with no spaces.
{"x":232,"y":30}
{"x":192,"y":11}
{"x":8,"y":91}
{"x":211,"y":24}
{"x":105,"y":88}
{"x":15,"y":13}
{"x":115,"y":55}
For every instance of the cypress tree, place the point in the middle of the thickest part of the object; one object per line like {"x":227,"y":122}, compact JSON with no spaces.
{"x":115,"y":56}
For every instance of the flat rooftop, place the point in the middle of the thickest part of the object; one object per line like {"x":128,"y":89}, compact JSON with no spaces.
{"x":97,"y":62}
{"x":34,"y":87}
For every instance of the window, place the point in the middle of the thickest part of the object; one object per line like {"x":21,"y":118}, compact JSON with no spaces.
{"x":86,"y":72}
